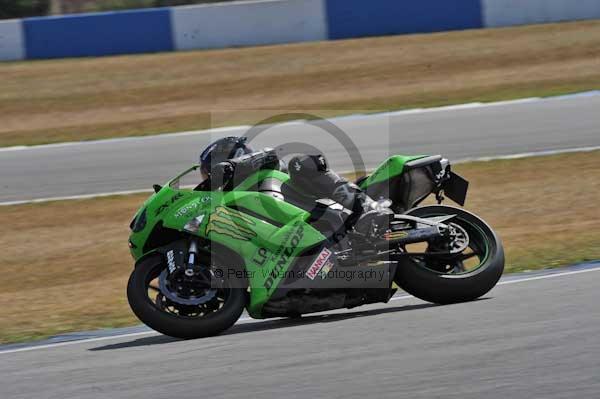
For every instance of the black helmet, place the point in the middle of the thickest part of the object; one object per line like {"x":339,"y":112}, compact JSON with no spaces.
{"x":222,"y":150}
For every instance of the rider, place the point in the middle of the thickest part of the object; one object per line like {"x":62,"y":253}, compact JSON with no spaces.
{"x":310,"y":173}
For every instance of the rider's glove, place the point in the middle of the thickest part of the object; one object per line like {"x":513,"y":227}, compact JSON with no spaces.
{"x":221,"y":174}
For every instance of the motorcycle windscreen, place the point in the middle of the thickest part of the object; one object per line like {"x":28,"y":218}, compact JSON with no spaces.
{"x":456,"y":188}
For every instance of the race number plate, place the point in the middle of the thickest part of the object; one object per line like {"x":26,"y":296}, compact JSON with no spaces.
{"x":456,"y":189}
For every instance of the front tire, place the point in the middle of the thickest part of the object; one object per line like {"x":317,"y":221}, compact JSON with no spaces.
{"x":433,"y":284}
{"x":157,"y":318}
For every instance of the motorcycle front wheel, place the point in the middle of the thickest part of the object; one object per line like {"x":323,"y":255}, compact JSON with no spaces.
{"x":220,"y":311}
{"x":457,"y":277}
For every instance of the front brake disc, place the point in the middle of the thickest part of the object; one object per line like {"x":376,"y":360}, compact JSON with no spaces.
{"x":191,"y":300}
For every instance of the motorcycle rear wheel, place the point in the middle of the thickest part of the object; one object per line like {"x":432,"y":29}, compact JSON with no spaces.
{"x":441,"y":280}
{"x":190,"y":323}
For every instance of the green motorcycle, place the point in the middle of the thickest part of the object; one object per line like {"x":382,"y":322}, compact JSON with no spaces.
{"x":257,"y":242}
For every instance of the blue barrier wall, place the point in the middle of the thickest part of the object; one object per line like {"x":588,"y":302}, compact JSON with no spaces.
{"x":358,"y":18}
{"x":140,"y":31}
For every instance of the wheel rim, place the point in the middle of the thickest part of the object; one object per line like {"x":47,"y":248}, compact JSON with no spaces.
{"x":215,"y":302}
{"x":477,"y":253}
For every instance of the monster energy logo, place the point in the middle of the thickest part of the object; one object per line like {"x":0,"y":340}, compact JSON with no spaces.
{"x":230,"y":223}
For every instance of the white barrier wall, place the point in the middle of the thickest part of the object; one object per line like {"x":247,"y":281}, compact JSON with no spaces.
{"x":12,"y":46}
{"x":521,"y":12}
{"x":248,"y":24}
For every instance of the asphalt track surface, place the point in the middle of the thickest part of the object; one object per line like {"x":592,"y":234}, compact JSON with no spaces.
{"x":457,"y":132}
{"x":536,"y":338}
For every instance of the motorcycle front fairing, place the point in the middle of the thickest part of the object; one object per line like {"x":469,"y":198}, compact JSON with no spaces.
{"x":269,"y":234}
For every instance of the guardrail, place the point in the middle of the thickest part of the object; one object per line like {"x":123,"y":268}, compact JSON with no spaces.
{"x":266,"y":22}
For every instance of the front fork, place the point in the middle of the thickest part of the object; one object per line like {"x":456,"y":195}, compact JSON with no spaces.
{"x":192,"y":254}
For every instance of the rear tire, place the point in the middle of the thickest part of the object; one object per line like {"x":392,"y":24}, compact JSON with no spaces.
{"x":175,"y":326}
{"x":442,"y":288}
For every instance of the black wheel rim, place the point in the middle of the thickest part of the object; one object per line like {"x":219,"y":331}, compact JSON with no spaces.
{"x":159,"y":300}
{"x":470,"y":260}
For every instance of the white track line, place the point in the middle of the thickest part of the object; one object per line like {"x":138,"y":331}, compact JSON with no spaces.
{"x":528,"y":154}
{"x":246,"y":319}
{"x":58,"y":345}
{"x":74,"y":197}
{"x":82,"y":341}
{"x":125,"y":139}
{"x":524,"y":279}
{"x":548,"y":276}
{"x":456,"y":107}
{"x":479,"y":159}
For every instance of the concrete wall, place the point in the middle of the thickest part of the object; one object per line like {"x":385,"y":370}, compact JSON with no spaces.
{"x":265,"y":22}
{"x":12,"y":46}
{"x":520,"y":12}
{"x":248,"y":24}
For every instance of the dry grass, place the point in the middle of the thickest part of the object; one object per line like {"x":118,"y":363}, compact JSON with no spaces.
{"x":58,"y":100}
{"x":68,"y":261}
{"x":545,"y":209}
